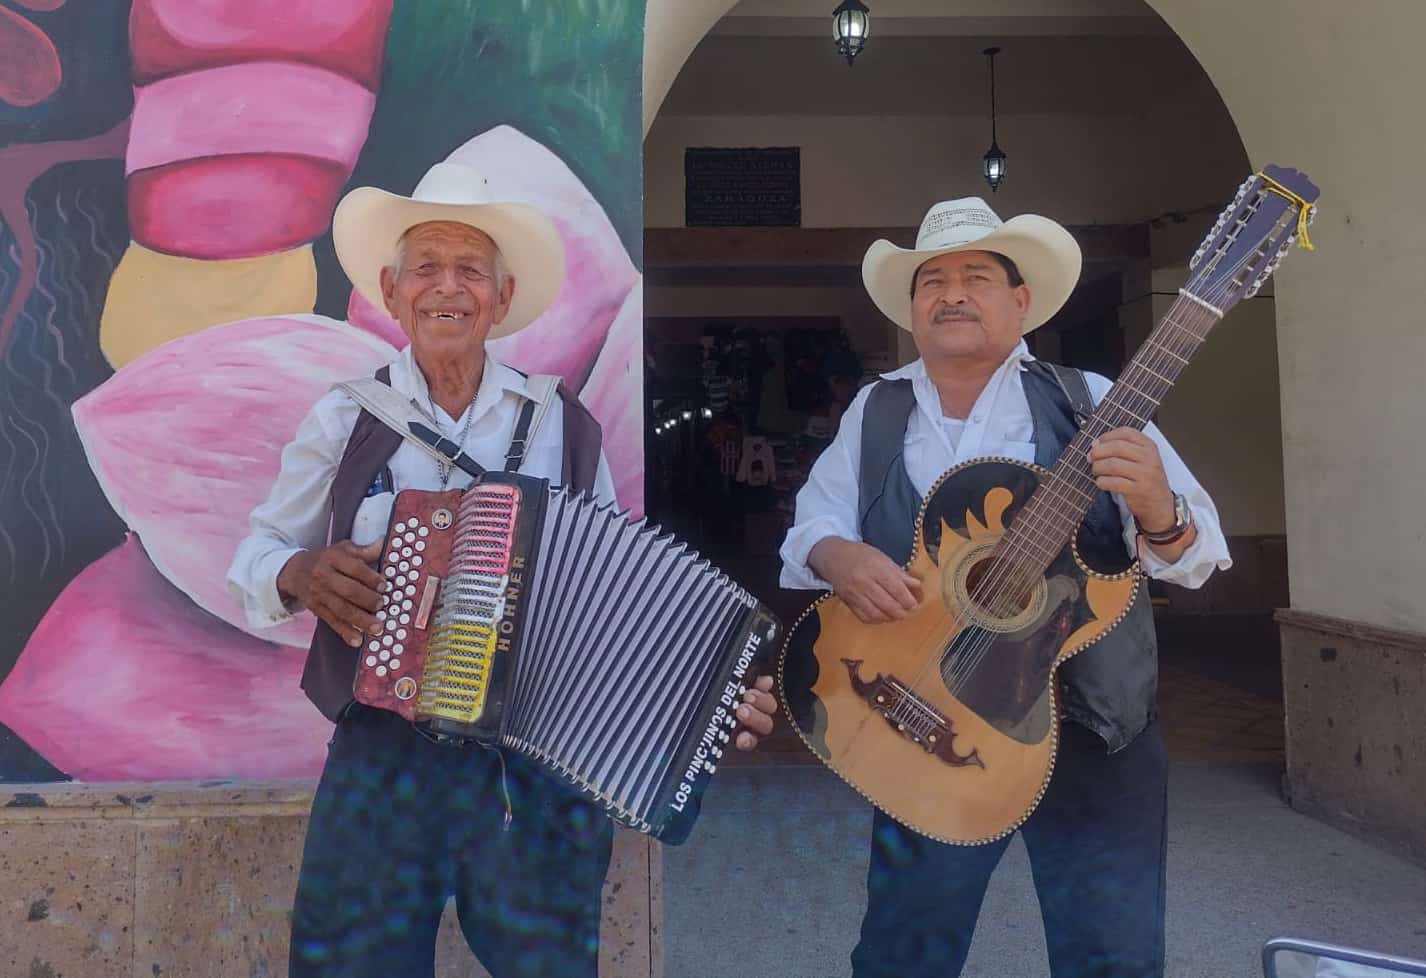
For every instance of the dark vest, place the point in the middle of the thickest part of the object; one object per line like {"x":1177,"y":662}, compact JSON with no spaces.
{"x":331,"y":663}
{"x":1111,"y":686}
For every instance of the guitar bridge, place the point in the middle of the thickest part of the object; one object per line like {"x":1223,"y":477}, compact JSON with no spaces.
{"x":910,"y":715}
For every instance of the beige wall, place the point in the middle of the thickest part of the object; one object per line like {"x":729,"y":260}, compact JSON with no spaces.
{"x":1223,"y":416}
{"x":1093,"y":131}
{"x":1336,"y":93}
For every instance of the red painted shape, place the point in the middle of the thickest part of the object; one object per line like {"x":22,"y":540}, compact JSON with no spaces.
{"x":233,"y":206}
{"x":168,"y":37}
{"x":29,"y":64}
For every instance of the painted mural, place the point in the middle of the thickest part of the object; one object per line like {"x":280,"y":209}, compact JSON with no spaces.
{"x":170,"y":307}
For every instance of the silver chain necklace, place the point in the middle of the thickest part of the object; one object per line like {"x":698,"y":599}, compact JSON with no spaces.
{"x":443,"y":469}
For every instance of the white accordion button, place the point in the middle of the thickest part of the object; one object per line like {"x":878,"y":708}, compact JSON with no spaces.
{"x":391,"y":625}
{"x":413,"y":575}
{"x":390,"y":571}
{"x":397,"y":649}
{"x":388,"y":641}
{"x":384,"y":655}
{"x":420,"y":545}
{"x":409,"y":537}
{"x":400,"y":634}
{"x":416,"y":561}
{"x":381,"y":671}
{"x":395,"y":664}
{"x":406,"y":606}
{"x":405,"y":619}
{"x":371,"y":660}
{"x":381,"y":615}
{"x":424,"y":531}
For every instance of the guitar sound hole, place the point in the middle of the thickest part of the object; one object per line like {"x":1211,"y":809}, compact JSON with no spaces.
{"x":999,"y":590}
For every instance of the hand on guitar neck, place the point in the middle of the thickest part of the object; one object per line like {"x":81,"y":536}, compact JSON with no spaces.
{"x":873,"y":587}
{"x":1126,"y":461}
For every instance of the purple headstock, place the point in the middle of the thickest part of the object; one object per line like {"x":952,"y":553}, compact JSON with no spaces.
{"x":1251,"y":237}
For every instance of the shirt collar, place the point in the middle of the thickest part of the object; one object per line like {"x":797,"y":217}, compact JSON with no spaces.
{"x":916,"y":369}
{"x":495,"y":380}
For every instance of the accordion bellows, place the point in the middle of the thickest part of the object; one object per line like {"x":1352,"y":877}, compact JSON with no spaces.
{"x":542,"y":621}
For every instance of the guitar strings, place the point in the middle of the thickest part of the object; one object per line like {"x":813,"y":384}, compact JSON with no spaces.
{"x":1007,"y":566}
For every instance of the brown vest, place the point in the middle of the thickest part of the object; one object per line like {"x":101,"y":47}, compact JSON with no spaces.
{"x":331,"y":662}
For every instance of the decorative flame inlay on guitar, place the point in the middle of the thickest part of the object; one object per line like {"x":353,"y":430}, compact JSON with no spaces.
{"x":947,"y":720}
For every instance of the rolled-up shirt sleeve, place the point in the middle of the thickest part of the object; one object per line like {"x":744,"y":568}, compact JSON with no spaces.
{"x":827,"y":504}
{"x":1209,"y":550}
{"x":295,"y":516}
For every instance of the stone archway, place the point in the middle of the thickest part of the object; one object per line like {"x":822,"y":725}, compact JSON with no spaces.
{"x":1336,"y":97}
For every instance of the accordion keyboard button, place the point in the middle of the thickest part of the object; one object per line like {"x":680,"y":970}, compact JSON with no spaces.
{"x":384,"y":655}
{"x":397,"y":649}
{"x":405,"y":619}
{"x":406,"y":606}
{"x":416,"y":561}
{"x":380,"y":671}
{"x":388,"y":641}
{"x":420,"y":545}
{"x":400,"y":634}
{"x":395,"y":664}
{"x":424,"y":531}
{"x":371,"y":660}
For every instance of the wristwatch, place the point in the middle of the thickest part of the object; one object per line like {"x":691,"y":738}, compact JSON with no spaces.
{"x":1182,"y":520}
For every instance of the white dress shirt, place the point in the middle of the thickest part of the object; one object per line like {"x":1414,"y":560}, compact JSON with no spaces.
{"x":999,"y":424}
{"x":298,"y":511}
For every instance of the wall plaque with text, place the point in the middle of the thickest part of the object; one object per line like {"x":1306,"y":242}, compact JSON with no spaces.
{"x":742,"y":187}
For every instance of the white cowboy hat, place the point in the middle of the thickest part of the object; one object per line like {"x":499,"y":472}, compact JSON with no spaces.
{"x":369,"y":222}
{"x":1046,"y":254}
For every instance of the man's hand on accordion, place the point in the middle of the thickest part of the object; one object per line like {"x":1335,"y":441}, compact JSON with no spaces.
{"x":338,"y":585}
{"x":755,"y":714}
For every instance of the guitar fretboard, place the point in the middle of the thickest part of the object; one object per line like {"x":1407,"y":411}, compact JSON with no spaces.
{"x":1058,"y":506}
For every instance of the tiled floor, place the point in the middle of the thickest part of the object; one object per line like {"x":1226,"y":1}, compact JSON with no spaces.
{"x":772,"y":880}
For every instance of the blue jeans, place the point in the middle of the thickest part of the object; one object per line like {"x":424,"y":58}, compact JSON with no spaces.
{"x":400,"y":825}
{"x":1097,"y":853}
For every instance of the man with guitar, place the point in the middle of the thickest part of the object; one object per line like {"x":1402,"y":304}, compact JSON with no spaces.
{"x":968,"y":292}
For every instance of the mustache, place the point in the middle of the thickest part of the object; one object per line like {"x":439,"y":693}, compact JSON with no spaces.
{"x":954,"y":314}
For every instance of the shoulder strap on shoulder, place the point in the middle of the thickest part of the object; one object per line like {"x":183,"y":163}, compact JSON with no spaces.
{"x":384,"y":404}
{"x":1076,"y":391}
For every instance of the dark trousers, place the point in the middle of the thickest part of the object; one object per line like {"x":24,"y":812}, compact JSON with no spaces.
{"x":1097,"y":852}
{"x":400,"y":824}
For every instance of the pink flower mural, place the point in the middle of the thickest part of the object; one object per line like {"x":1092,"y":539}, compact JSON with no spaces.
{"x":248,"y":119}
{"x":185,"y":440}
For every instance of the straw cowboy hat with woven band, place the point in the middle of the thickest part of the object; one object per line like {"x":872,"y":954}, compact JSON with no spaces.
{"x":1047,"y":256}
{"x":369,"y":223}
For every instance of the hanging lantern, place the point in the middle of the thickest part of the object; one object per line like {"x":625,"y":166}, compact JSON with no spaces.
{"x":993,"y":163}
{"x":851,"y":23}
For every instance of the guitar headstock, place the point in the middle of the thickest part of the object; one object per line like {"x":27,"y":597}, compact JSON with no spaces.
{"x":1270,"y":212}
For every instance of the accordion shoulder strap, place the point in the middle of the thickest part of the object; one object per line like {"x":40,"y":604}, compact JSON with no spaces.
{"x":532,"y":414}
{"x":383,"y":402}
{"x":387,"y":406}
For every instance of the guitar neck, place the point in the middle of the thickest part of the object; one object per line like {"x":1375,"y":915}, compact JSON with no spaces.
{"x":1051,"y":516}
